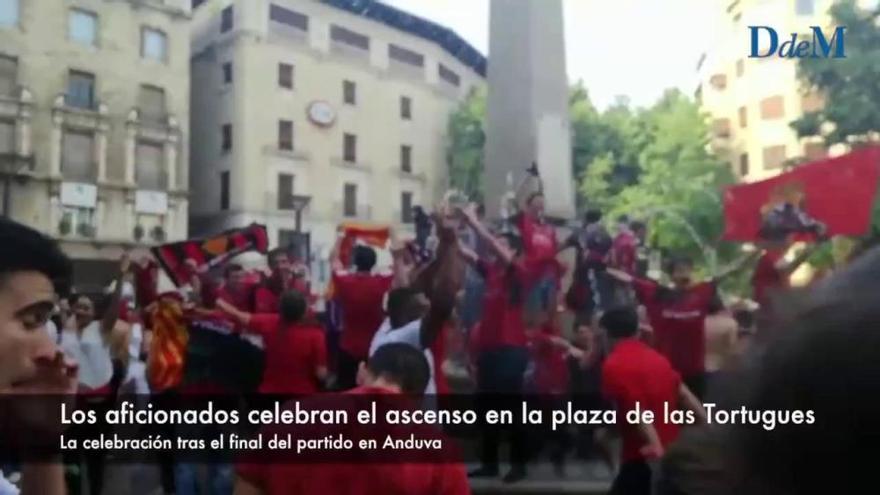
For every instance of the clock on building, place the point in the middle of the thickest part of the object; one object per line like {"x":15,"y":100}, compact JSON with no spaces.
{"x":321,"y":113}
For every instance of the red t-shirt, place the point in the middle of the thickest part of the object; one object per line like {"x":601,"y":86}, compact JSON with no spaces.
{"x":767,"y":279}
{"x":678,"y":323}
{"x":633,"y":372}
{"x":266,"y":299}
{"x":438,"y":353}
{"x":624,"y":252}
{"x":540,"y":245}
{"x":360,"y":296}
{"x":502,"y":323}
{"x":551,"y":368}
{"x":364,"y":478}
{"x":293,"y":354}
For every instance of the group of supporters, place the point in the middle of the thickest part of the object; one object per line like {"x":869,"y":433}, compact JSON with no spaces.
{"x":498,"y":290}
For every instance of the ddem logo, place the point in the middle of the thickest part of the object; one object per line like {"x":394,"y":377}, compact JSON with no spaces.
{"x":815,"y":46}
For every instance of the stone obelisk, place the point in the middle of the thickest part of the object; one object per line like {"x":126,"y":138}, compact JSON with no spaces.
{"x":528,"y":103}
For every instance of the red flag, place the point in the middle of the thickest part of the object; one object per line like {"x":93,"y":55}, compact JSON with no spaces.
{"x":838,"y":192}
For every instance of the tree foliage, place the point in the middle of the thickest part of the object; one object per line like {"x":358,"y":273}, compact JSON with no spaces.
{"x":851,"y":85}
{"x":652,"y":164}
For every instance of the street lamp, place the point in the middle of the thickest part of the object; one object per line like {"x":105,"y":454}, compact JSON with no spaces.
{"x":300,"y":203}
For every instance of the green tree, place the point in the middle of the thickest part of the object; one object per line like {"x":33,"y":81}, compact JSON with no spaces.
{"x":466,"y":140}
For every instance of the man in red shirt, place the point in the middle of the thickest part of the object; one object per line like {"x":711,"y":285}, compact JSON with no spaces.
{"x":296,"y":353}
{"x":676,"y":315}
{"x":623,"y":252}
{"x":634,"y":374}
{"x":283,"y":277}
{"x":773,"y":271}
{"x":540,"y":248}
{"x":360,"y":295}
{"x":503,"y":355}
{"x":393,"y":370}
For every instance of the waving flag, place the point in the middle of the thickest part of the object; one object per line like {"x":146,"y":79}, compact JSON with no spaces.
{"x":837,"y":192}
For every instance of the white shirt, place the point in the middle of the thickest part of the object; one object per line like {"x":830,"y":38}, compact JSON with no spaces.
{"x":410,"y":334}
{"x":92,"y":351}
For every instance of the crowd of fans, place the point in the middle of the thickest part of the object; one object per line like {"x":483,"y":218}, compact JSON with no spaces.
{"x":611,"y":338}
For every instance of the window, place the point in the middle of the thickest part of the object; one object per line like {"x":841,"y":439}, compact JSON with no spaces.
{"x":721,"y":128}
{"x":227,"y":73}
{"x":227,"y":19}
{"x":149,"y":172}
{"x":740,"y":67}
{"x":349,"y":92}
{"x":288,"y":17}
{"x":285,"y":192}
{"x":151,"y":101}
{"x":773,"y":108}
{"x":196,"y":3}
{"x":7,"y":136}
{"x":406,"y":158}
{"x":8,"y":13}
{"x":448,"y":75}
{"x":811,"y":102}
{"x":774,"y":157}
{"x":805,"y":7}
{"x":405,"y":108}
{"x":743,"y":164}
{"x":78,"y":157}
{"x":83,"y":27}
{"x":348,"y":37}
{"x":285,"y":135}
{"x":226,"y":144}
{"x":718,"y":81}
{"x":743,"y":120}
{"x":285,"y":76}
{"x":224,"y":190}
{"x":81,"y":90}
{"x":8,"y":74}
{"x":154,"y":44}
{"x":349,"y":200}
{"x":406,"y":213}
{"x":815,"y":151}
{"x":405,"y":56}
{"x":349,"y":148}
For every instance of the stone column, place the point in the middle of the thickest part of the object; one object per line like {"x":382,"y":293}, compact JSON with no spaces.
{"x":23,"y":124}
{"x":170,"y":150}
{"x":56,"y":143}
{"x":528,"y":103}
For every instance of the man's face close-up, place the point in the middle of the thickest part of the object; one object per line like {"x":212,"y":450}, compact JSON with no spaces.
{"x":27,"y":299}
{"x":281,"y":265}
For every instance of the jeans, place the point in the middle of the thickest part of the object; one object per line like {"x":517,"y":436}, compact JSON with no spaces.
{"x":500,"y":375}
{"x":186,"y":479}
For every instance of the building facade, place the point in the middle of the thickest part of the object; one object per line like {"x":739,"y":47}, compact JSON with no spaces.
{"x":752,"y":101}
{"x":94,"y":119}
{"x":338,"y":103}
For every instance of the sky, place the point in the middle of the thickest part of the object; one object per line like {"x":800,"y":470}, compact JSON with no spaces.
{"x":631,"y":48}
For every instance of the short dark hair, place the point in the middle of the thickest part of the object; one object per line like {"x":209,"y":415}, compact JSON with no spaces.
{"x":291,"y":306}
{"x":623,"y":219}
{"x":716,"y":305}
{"x":400,"y":302}
{"x":403,"y":365}
{"x":593,"y":216}
{"x":745,"y":319}
{"x":274,"y":254}
{"x":231,"y":268}
{"x":364,"y":258}
{"x":23,"y":249}
{"x":620,"y":322}
{"x":637,"y":225}
{"x":678,"y":261}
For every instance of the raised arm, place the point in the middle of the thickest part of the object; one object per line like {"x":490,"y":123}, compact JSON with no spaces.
{"x":236,"y":314}
{"x":335,"y":263}
{"x":737,"y":265}
{"x":108,"y":321}
{"x":620,"y":275}
{"x":467,"y":254}
{"x":445,"y":283}
{"x":786,"y":268}
{"x":469,"y":215}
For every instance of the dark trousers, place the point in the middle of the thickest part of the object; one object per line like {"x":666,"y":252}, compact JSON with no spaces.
{"x":697,"y":384}
{"x":346,"y":371}
{"x":500,"y":375}
{"x":634,"y":478}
